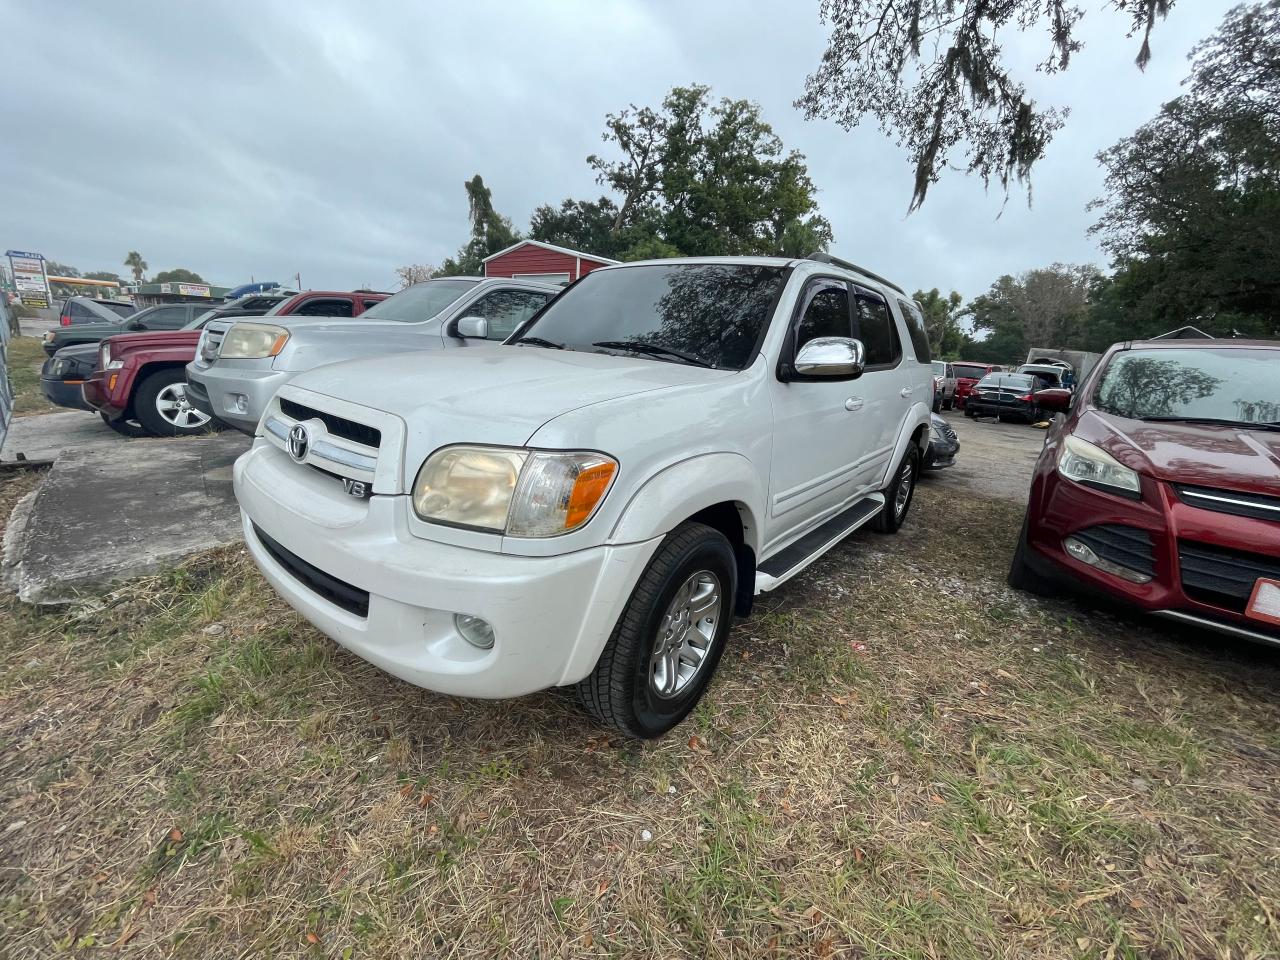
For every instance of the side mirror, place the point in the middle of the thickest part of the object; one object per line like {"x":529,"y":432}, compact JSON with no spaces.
{"x":1057,"y":399}
{"x":473,"y":328}
{"x":835,"y":357}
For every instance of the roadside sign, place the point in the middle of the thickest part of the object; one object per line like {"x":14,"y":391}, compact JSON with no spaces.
{"x":29,"y":278}
{"x":186,"y":289}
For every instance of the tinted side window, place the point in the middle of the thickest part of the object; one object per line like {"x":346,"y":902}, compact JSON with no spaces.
{"x":874,"y":326}
{"x":825,"y":315}
{"x":166,"y":318}
{"x":124,"y":309}
{"x":506,"y":309}
{"x":915,"y":326}
{"x":366,"y":304}
{"x":325,"y":307}
{"x":83,"y":312}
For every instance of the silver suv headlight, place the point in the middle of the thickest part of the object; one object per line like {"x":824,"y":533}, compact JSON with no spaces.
{"x":522,"y":493}
{"x":253,"y":341}
{"x":1084,"y":462}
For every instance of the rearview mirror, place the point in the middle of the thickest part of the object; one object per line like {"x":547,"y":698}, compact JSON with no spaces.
{"x":841,"y":357}
{"x":473,"y":328}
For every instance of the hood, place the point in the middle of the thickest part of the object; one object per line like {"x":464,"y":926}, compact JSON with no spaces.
{"x":152,"y":340}
{"x":79,"y":351}
{"x":82,"y":331}
{"x":1199,"y":454}
{"x":491,"y":393}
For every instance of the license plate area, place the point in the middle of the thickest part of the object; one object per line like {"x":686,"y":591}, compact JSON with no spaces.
{"x":1264,"y":604}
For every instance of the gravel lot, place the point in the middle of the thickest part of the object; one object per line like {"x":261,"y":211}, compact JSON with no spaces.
{"x":996,"y":459}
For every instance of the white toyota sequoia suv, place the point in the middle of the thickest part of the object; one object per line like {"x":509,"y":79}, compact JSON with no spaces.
{"x":590,"y":503}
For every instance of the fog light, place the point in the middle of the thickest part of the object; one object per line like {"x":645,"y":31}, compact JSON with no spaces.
{"x":1082,"y":552}
{"x":474,"y":630}
{"x":239,"y":403}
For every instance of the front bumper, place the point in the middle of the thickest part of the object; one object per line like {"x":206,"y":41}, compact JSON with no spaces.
{"x":331,"y":557}
{"x":64,"y":393}
{"x":235,"y":395}
{"x":1184,"y":542}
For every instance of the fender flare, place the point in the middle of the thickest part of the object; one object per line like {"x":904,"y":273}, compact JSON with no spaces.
{"x":681,"y":489}
{"x":918,"y":417}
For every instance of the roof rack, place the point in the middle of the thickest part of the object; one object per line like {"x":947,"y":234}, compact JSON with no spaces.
{"x":821,"y":257}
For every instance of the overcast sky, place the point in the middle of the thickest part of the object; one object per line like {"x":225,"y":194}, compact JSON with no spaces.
{"x":332,"y":139}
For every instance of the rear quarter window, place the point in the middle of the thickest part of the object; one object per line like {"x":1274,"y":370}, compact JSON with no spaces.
{"x":916,"y":328}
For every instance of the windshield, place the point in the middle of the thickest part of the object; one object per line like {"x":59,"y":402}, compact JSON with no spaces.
{"x":939,"y":368}
{"x":972,"y":371}
{"x":1015,"y":381}
{"x":1234,"y":384}
{"x":710,"y":314}
{"x":422,"y":301}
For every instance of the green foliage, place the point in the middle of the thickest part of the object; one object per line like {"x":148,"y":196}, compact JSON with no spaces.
{"x":1047,"y":307}
{"x":104,"y":275}
{"x":1192,"y":204}
{"x":55,"y":269}
{"x":942,"y":321}
{"x":490,"y":232}
{"x":177,"y":275}
{"x":934,"y":78}
{"x":137,"y":265}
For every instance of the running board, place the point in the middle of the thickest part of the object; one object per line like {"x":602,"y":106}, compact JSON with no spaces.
{"x":786,"y":563}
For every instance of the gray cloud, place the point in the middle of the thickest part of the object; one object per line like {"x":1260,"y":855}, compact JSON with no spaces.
{"x":331,"y":139}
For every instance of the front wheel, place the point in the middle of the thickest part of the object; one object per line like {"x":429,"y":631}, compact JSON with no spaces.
{"x":899,"y":493}
{"x":126,"y":428}
{"x":948,"y":404}
{"x":667,"y":643}
{"x":162,"y":407}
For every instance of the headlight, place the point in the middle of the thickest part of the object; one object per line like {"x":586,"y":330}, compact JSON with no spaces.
{"x":58,"y":368}
{"x":523,"y":493}
{"x":48,"y":336}
{"x":253,"y":341}
{"x":104,"y":358}
{"x":1086,"y":463}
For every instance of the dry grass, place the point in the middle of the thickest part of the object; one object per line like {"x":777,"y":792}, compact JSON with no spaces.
{"x":25,"y":359}
{"x":900,"y":758}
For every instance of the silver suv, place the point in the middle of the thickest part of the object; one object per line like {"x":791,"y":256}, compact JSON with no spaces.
{"x":239,"y":365}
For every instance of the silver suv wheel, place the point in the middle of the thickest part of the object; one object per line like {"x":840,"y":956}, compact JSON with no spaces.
{"x":685,"y":634}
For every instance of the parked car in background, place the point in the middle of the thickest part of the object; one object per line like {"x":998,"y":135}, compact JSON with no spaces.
{"x":140,"y":384}
{"x":1048,"y":376}
{"x":967,"y":376}
{"x":943,"y":447}
{"x":1006,"y":396}
{"x":168,"y":316}
{"x":589,"y":504}
{"x":944,"y":385}
{"x":77,"y":310}
{"x":1160,"y":488}
{"x":239,"y":367}
{"x":62,"y":375}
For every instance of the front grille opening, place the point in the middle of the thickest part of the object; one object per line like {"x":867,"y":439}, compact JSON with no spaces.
{"x":1253,"y":505}
{"x":338,"y":426}
{"x":1221,"y":577}
{"x":1127,"y":546}
{"x":338,"y":592}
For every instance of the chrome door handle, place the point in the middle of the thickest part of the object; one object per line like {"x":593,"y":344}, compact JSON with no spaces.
{"x":853,"y":404}
{"x":905,"y":391}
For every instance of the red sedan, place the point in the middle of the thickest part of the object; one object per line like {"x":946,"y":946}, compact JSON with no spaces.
{"x":1161,"y":486}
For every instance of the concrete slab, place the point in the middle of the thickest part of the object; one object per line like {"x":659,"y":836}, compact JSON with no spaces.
{"x":50,"y":434}
{"x":121,"y":510}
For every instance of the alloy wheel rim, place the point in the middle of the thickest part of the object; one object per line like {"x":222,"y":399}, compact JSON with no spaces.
{"x":904,"y":490}
{"x":685,"y":635}
{"x":175,"y":409}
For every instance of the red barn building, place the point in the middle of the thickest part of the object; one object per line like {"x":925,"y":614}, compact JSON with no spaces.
{"x":535,"y":260}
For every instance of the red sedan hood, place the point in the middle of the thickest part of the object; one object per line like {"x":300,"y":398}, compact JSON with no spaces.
{"x":153,"y":339}
{"x":1199,"y":454}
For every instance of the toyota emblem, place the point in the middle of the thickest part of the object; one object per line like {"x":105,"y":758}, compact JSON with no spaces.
{"x":299,"y":441}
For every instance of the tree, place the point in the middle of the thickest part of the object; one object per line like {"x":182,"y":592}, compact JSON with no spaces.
{"x":104,"y":275}
{"x":1038,"y":308}
{"x":414,"y":273}
{"x":177,"y":275}
{"x":942,"y":321}
{"x":1191,"y":212}
{"x":589,"y":225}
{"x":490,"y":232}
{"x":932,"y":74}
{"x":135,"y":263}
{"x":55,"y":269}
{"x":700,"y":177}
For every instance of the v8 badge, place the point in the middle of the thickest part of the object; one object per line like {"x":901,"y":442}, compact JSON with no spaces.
{"x":355,"y":488}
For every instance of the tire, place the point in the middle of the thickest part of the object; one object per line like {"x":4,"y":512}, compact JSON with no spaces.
{"x":166,"y":389}
{"x":937,"y":404}
{"x":897,"y":501}
{"x":126,"y":428}
{"x":624,"y":690}
{"x":1021,"y":575}
{"x":948,"y":404}
{"x":968,"y":412}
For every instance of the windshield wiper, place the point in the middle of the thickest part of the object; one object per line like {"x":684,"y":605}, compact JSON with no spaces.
{"x":539,"y":342}
{"x":1218,"y":421}
{"x":654,"y":349}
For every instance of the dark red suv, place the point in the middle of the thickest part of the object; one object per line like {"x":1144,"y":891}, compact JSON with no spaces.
{"x":1161,"y":486}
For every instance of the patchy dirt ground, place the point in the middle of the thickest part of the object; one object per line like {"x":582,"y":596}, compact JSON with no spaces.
{"x":899,"y":758}
{"x":996,"y":459}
